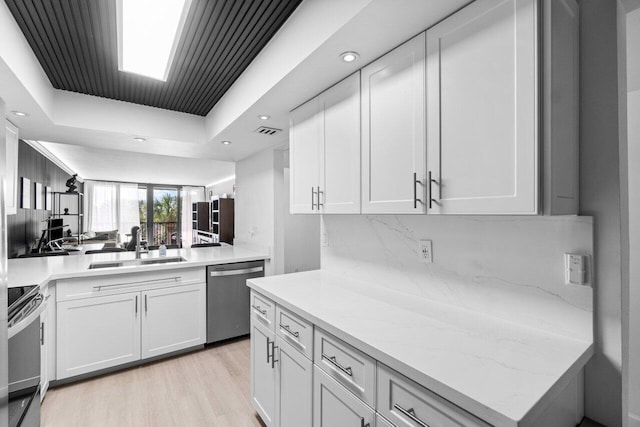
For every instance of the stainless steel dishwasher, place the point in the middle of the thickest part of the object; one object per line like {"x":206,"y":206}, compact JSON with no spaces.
{"x":228,"y":299}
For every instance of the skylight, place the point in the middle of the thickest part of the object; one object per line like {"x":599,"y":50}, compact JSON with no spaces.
{"x":148,"y":34}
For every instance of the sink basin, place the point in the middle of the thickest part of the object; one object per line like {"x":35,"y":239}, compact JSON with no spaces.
{"x":134,"y":262}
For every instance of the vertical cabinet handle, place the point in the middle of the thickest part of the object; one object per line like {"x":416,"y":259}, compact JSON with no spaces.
{"x":41,"y":333}
{"x":431,"y":199}
{"x":319,"y":193}
{"x":416,"y":181}
{"x":271,"y":355}
{"x":313,"y":202}
{"x":145,"y":304}
{"x":136,"y":305}
{"x":362,"y":424}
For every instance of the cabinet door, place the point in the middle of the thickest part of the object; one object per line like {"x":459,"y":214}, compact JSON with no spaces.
{"x":340,"y":164}
{"x":294,"y":386}
{"x":393,"y":131}
{"x":97,"y":333}
{"x":482,"y":109}
{"x":173,"y":319}
{"x":263,"y":373}
{"x":333,"y":405}
{"x":304,"y":157}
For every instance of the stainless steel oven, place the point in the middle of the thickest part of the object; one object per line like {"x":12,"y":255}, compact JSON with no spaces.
{"x":25,"y":306}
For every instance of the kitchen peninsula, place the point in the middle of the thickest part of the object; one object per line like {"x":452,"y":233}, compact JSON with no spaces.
{"x":110,"y":311}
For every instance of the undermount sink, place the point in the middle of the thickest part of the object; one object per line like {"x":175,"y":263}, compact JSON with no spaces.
{"x":134,"y":262}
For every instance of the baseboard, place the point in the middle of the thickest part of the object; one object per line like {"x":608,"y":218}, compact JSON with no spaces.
{"x":634,"y":420}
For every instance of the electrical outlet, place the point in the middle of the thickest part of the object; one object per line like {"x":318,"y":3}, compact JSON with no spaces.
{"x":425,"y":251}
{"x":576,"y":269}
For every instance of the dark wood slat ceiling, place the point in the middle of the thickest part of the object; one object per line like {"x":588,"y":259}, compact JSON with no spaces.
{"x":76,"y":44}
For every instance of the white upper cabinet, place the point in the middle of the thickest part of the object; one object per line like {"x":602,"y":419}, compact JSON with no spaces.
{"x":393,"y":131}
{"x":305,"y":134}
{"x":482,"y":109}
{"x":340,"y":106}
{"x":325,"y":151}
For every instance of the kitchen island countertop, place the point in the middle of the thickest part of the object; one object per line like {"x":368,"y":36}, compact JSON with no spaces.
{"x":42,"y":270}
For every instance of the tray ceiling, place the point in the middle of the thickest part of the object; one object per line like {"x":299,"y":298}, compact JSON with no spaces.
{"x":75,"y":42}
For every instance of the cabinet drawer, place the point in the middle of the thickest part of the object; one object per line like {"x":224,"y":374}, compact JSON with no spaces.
{"x":350,"y":367}
{"x":114,"y":284}
{"x":406,"y":403}
{"x":334,"y":406}
{"x":263,"y":309}
{"x":295,"y":331}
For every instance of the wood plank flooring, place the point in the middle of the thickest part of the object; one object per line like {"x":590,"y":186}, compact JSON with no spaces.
{"x":210,"y":387}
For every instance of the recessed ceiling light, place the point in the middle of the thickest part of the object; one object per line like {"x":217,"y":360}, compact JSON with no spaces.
{"x":139,"y":139}
{"x":349,"y":56}
{"x":148,"y":35}
{"x":226,"y":142}
{"x":19,"y":114}
{"x":264,"y":117}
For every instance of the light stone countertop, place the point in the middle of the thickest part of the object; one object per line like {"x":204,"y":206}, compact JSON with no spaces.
{"x":40,"y":271}
{"x":502,"y":372}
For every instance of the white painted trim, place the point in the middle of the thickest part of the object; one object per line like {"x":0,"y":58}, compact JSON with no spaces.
{"x":49,"y":155}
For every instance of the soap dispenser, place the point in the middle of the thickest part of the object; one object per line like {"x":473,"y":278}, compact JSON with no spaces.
{"x":162,"y":249}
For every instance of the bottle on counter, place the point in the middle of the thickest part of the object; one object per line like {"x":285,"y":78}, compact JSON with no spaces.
{"x":162,"y":250}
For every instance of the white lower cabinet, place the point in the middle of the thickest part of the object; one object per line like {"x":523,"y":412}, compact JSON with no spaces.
{"x":97,"y":333}
{"x":281,"y":377}
{"x":263,"y":374}
{"x":333,"y":405}
{"x":406,"y":403}
{"x":294,"y":382}
{"x":131,"y":321}
{"x":172,"y":319}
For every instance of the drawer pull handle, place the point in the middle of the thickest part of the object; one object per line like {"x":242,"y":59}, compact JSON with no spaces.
{"x":259,"y":309}
{"x":335,"y":363}
{"x":289,"y":331}
{"x":411,"y":414}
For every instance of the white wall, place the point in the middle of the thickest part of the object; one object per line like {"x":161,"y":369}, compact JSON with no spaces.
{"x":633,"y":135}
{"x":600,"y":198}
{"x":227,"y":187}
{"x":255,"y":206}
{"x":301,"y":237}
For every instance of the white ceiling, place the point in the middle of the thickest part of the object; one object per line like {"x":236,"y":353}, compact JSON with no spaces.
{"x":299,"y":62}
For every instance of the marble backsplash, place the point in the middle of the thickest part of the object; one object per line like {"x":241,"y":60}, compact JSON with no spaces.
{"x":507,"y":267}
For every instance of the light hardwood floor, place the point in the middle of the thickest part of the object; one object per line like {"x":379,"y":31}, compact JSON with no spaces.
{"x":209,"y":387}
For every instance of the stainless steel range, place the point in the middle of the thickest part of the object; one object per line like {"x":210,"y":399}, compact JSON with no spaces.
{"x":25,"y":306}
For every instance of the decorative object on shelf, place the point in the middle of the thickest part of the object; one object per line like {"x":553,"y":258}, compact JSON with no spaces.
{"x":47,"y":198}
{"x":25,"y":201}
{"x":38,"y":194}
{"x":69,"y":232}
{"x":71,"y":184}
{"x":66,"y":211}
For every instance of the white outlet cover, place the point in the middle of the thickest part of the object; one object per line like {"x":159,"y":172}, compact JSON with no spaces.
{"x":425,"y":251}
{"x":576,"y":270}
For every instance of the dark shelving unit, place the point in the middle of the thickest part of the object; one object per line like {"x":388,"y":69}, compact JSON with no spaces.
{"x":73,"y":217}
{"x":222,"y":219}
